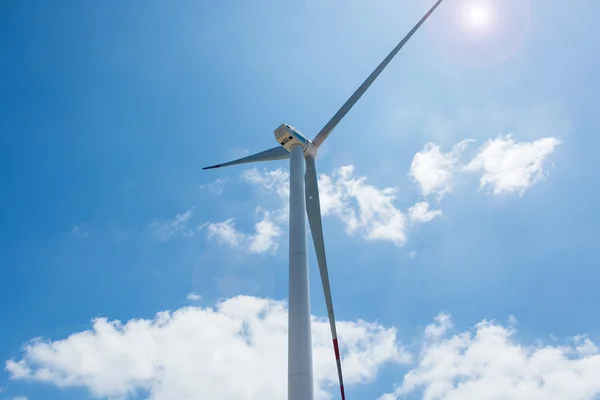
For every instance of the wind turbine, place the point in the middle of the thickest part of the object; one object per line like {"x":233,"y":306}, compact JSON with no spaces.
{"x":304,"y":196}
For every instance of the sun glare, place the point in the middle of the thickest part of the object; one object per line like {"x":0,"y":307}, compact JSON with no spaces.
{"x":477,"y":15}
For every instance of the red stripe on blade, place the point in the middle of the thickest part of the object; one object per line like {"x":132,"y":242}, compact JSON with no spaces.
{"x":336,"y":349}
{"x":343,"y":394}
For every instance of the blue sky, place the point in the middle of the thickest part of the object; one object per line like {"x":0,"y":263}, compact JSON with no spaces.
{"x":110,"y":110}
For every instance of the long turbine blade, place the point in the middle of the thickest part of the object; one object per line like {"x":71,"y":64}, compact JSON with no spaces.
{"x":313,"y":210}
{"x":324,"y":133}
{"x":276,"y":153}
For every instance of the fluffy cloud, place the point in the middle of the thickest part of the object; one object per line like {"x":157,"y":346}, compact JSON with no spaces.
{"x":487,"y":363}
{"x":512,"y":167}
{"x":435,"y":331}
{"x":364,"y":209}
{"x":420,"y":212}
{"x":215,"y":352}
{"x":433,"y":170}
{"x":371,"y":212}
{"x":203,"y":353}
{"x":505,"y":165}
{"x":264,"y":238}
{"x":193,"y":297}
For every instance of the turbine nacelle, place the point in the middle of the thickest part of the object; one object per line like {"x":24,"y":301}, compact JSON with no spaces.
{"x":288,"y":136}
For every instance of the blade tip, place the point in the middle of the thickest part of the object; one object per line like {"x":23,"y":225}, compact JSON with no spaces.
{"x":212,"y":167}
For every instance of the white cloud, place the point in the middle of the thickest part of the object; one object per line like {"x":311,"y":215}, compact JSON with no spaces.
{"x":20,"y":398}
{"x":420,"y":212}
{"x":487,"y":363}
{"x":213,"y":352}
{"x":164,"y":230}
{"x":441,"y":324}
{"x":506,"y":165}
{"x":263,"y":240}
{"x":512,"y":167}
{"x":371,"y":212}
{"x":363,"y":208}
{"x":225,"y":232}
{"x":193,"y":297}
{"x":433,"y":170}
{"x":584,"y":345}
{"x":203,"y":353}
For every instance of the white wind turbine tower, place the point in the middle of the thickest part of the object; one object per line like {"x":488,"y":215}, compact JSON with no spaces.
{"x":304,"y":196}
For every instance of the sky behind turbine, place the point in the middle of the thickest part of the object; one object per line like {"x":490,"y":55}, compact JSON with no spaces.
{"x":459,"y":198}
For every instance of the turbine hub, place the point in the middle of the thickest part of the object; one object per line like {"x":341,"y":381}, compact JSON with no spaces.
{"x":311,"y":151}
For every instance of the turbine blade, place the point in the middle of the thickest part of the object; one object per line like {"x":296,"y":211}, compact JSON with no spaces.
{"x":324,"y":133}
{"x":313,"y":210}
{"x":276,"y":153}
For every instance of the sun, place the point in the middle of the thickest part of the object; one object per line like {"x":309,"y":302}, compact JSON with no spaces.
{"x":477,"y":15}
